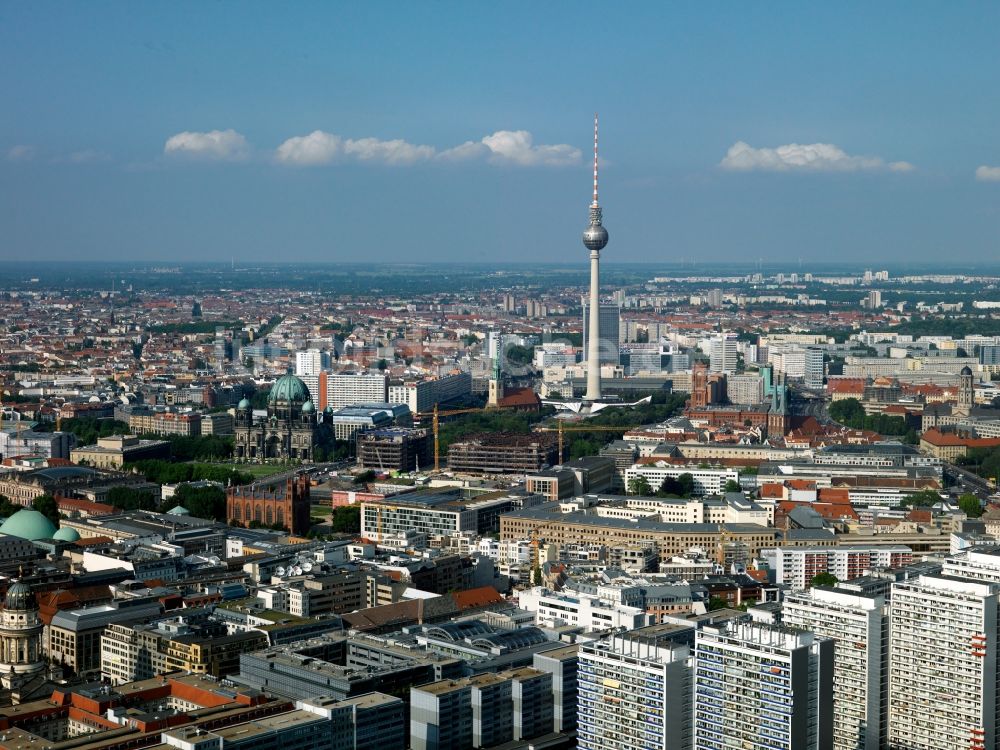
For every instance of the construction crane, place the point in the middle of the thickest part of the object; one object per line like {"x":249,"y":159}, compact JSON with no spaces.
{"x":561,"y":428}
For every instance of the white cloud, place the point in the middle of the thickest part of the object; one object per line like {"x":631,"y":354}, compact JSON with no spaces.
{"x":516,"y":147}
{"x":503,"y":147}
{"x":391,"y":152}
{"x":812,"y":157}
{"x":988,"y":174}
{"x":21,"y":152}
{"x":467,"y":150}
{"x":308,"y":150}
{"x":322,"y":148}
{"x":221,"y":145}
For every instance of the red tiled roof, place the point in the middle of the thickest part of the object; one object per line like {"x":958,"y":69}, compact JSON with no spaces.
{"x":483,"y":596}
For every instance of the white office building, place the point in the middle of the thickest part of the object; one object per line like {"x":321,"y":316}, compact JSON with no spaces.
{"x":943,"y":664}
{"x":799,"y":362}
{"x":589,"y":612}
{"x":762,"y":687}
{"x":311,"y":362}
{"x":723,"y":354}
{"x":635,"y":690}
{"x":860,"y":626}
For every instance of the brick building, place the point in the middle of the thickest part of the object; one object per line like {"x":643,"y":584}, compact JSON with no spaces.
{"x":272,"y":504}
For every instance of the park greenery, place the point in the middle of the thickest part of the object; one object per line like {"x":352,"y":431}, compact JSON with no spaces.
{"x":851,"y":413}
{"x":167,"y":472}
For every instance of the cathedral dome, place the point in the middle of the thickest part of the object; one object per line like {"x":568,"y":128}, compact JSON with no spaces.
{"x":66,"y":534}
{"x":290,"y":389}
{"x":308,"y":407}
{"x":28,"y":524}
{"x":243,"y":404}
{"x":19,"y":596}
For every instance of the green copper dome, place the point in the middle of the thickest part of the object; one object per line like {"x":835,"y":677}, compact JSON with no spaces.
{"x":243,"y":404}
{"x":66,"y":534}
{"x":28,"y":524}
{"x":289,"y":388}
{"x":20,"y":597}
{"x":308,"y":406}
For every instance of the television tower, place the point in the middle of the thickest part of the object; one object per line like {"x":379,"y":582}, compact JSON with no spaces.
{"x":595,"y":237}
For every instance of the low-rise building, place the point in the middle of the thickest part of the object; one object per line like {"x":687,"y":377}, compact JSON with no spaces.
{"x":115,"y":451}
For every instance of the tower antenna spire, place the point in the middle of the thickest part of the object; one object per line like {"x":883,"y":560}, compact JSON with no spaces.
{"x":595,"y":160}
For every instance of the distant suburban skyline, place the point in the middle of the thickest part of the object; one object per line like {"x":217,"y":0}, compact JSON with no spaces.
{"x":345,"y":132}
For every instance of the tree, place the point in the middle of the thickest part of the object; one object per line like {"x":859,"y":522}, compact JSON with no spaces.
{"x":202,"y":502}
{"x":733,"y":486}
{"x":127,"y":498}
{"x":519,"y":355}
{"x":970,"y":505}
{"x":347,"y":519}
{"x":365,"y":476}
{"x":640,"y":486}
{"x":48,"y":507}
{"x":824,"y":579}
{"x":717,"y":602}
{"x":382,"y":364}
{"x":536,"y":576}
{"x":921,"y":499}
{"x":682,"y":486}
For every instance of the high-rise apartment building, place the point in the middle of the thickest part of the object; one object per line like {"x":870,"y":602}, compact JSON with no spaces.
{"x":860,"y":626}
{"x":311,"y":362}
{"x":609,"y":316}
{"x":762,"y":687}
{"x":635,"y":690}
{"x":723,"y":354}
{"x":745,"y":389}
{"x":943,"y":664}
{"x":340,"y":390}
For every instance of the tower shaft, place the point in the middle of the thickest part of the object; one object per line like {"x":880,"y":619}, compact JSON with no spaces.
{"x":594,"y":330}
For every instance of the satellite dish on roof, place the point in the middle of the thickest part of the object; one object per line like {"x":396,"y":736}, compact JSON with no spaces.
{"x":296,"y":571}
{"x":306,"y":567}
{"x":279,"y":571}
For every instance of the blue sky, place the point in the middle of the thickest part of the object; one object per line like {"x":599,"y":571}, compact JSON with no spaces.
{"x":333,"y":132}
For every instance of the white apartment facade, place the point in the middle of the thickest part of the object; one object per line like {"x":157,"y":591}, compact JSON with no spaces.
{"x":943,"y":664}
{"x":634,"y":694}
{"x":762,"y":687}
{"x":860,"y":626}
{"x":796,"y":566}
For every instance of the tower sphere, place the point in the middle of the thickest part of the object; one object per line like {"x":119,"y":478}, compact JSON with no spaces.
{"x":595,"y":237}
